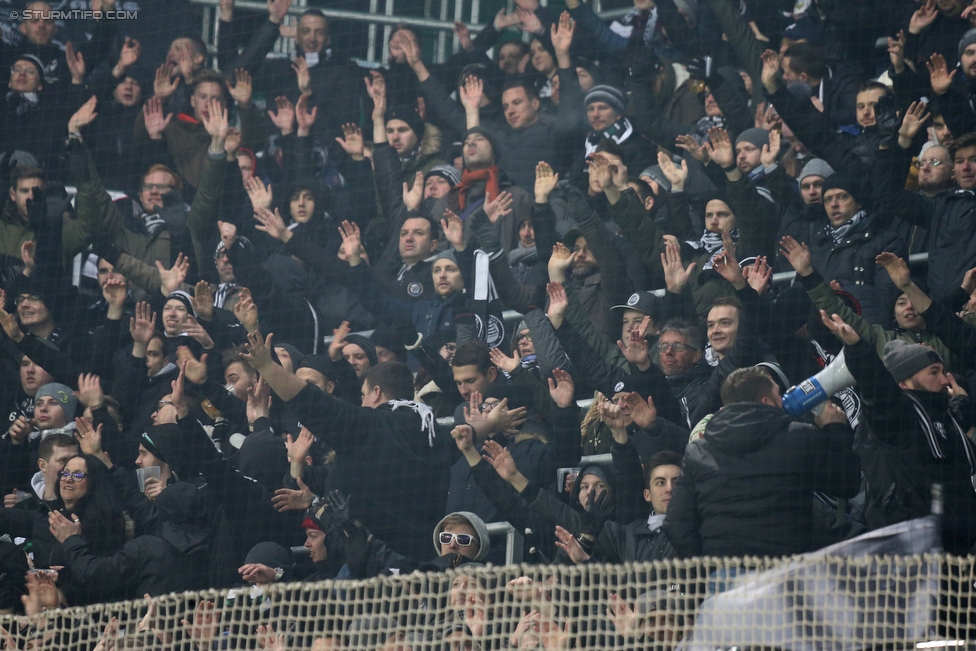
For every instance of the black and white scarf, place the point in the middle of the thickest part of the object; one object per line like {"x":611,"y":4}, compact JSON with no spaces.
{"x":934,"y":431}
{"x":712,"y":243}
{"x":23,"y":102}
{"x":618,"y":132}
{"x":220,"y":296}
{"x":633,"y":19}
{"x":838,"y":234}
{"x":151,"y":223}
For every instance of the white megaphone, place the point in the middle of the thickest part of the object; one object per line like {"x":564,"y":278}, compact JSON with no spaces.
{"x":816,"y":390}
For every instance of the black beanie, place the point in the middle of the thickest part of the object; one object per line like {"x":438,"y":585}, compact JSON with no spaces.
{"x":366,"y":345}
{"x":410,"y":116}
{"x":848,"y":183}
{"x":162,"y":441}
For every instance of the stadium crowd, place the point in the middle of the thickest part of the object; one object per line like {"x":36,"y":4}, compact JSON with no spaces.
{"x":180,"y":236}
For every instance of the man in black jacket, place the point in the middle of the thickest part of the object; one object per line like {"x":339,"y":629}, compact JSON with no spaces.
{"x":388,"y":457}
{"x":747,"y":485}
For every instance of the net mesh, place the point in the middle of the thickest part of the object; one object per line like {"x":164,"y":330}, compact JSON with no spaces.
{"x":703,"y":603}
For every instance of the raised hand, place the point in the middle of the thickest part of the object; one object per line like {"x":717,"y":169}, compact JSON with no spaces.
{"x":758,"y":275}
{"x":558,"y":302}
{"x":915,"y":117}
{"x":130,"y":53}
{"x":675,"y":274}
{"x":566,"y":542}
{"x":499,"y":206}
{"x":726,"y":264}
{"x":896,"y":49}
{"x":675,"y":175}
{"x":464,"y":36}
{"x":500,"y":459}
{"x":246,"y":311}
{"x":528,"y":21}
{"x":352,"y":243}
{"x":90,"y":439}
{"x":258,"y":351}
{"x":83,"y":116}
{"x":453,"y":229}
{"x":284,"y":118}
{"x":232,"y":143}
{"x":414,"y":194}
{"x":472,"y":92}
{"x":228,"y":233}
{"x":939,"y":76}
{"x":338,"y":341}
{"x":720,"y":147}
{"x":352,"y":141}
{"x":76,"y":64}
{"x":90,"y":390}
{"x":923,"y":17}
{"x":216,"y":124}
{"x":205,"y":626}
{"x":10,"y":326}
{"x":196,"y":331}
{"x":503,"y":361}
{"x":303,"y":116}
{"x":272,"y":224}
{"x":376,"y":89}
{"x":504,"y":20}
{"x":292,"y":500}
{"x":613,"y":416}
{"x":277,"y":10}
{"x":561,"y":33}
{"x":561,"y":388}
{"x":559,"y":262}
{"x":897,"y":269}
{"x":798,"y":255}
{"x":258,"y":401}
{"x":463,"y":436}
{"x":203,"y":300}
{"x":166,"y":81}
{"x":152,"y":112}
{"x":545,"y":181}
{"x":242,"y":88}
{"x":27,"y":257}
{"x":143,"y":325}
{"x":635,"y":350}
{"x":302,"y":75}
{"x":770,"y":152}
{"x":260,"y":194}
{"x":171,"y":279}
{"x":770,"y":70}
{"x":643,"y":412}
{"x":298,"y":447}
{"x":841,"y":330}
{"x":694,"y":149}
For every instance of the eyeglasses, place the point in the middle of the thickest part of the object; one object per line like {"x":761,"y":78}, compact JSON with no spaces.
{"x":934,"y":162}
{"x":463,"y":539}
{"x":163,"y":403}
{"x":76,"y":475}
{"x":23,"y":298}
{"x":30,"y":72}
{"x":678,"y":348}
{"x":162,"y":187}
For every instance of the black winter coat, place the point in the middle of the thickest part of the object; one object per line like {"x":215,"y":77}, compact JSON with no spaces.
{"x":747,"y":486}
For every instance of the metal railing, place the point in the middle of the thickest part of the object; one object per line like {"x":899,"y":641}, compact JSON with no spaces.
{"x":387,"y":18}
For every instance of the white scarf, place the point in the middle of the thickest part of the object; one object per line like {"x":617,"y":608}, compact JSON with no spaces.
{"x":426,"y":416}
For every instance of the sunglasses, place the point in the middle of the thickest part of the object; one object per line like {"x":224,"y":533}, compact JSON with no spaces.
{"x":77,"y":475}
{"x":463,"y":539}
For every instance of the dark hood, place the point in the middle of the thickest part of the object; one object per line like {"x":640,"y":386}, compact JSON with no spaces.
{"x":745,"y":427}
{"x":263,"y":457}
{"x":184,"y":519}
{"x":592,"y":469}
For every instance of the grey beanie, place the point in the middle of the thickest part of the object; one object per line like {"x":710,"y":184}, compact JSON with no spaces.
{"x":754,"y":136}
{"x":904,"y":359}
{"x":816,"y":167}
{"x":656,"y":173}
{"x":64,"y":395}
{"x":446,"y":254}
{"x":480,"y":530}
{"x":609,"y":95}
{"x":967,"y":39}
{"x":447,"y":172}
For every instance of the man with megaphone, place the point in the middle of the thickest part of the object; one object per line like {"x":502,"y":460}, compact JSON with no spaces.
{"x":917,"y":417}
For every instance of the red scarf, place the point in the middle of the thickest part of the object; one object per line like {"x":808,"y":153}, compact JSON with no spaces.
{"x":469,"y":178}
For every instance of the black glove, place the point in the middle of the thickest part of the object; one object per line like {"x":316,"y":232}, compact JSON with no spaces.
{"x":103,"y":247}
{"x":886,"y":117}
{"x":172,"y":198}
{"x":37,"y":207}
{"x":407,"y":334}
{"x":598,"y":511}
{"x":355,"y":536}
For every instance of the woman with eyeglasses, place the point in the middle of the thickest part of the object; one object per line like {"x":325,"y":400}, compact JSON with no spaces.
{"x":85,"y":491}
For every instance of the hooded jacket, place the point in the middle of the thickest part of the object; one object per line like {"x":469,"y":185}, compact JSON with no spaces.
{"x":747,"y":486}
{"x":484,"y":541}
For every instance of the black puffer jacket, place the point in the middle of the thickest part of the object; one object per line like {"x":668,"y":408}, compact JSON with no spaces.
{"x":747,"y":486}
